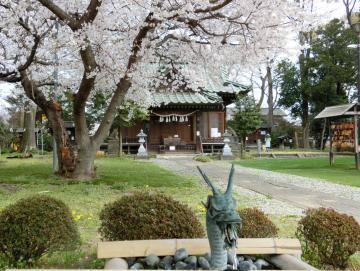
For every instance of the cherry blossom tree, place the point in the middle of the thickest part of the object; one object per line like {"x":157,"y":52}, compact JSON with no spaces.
{"x":84,"y":46}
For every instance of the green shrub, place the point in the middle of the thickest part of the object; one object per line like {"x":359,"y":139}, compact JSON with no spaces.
{"x":35,"y":226}
{"x":147,"y":216}
{"x":202,"y":158}
{"x":328,"y":238}
{"x":255,"y":224}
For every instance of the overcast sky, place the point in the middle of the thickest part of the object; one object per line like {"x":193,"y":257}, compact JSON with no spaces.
{"x":330,"y":10}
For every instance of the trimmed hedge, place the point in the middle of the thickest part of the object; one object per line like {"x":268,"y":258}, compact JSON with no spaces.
{"x":34,"y":226}
{"x":328,"y":238}
{"x":148,"y":216}
{"x":255,"y":224}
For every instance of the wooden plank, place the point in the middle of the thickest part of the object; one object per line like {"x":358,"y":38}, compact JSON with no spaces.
{"x":140,"y":248}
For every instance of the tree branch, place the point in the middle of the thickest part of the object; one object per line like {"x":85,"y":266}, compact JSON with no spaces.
{"x":60,"y":13}
{"x":213,"y":8}
{"x":91,"y":12}
{"x":75,"y":24}
{"x":125,"y":83}
{"x":86,"y":86}
{"x":11,"y":76}
{"x":349,"y":7}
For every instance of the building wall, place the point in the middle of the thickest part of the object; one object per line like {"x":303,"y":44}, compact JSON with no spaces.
{"x":158,"y":130}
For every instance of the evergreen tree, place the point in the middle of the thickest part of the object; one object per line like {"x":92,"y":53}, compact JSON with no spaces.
{"x":334,"y":66}
{"x":247,"y":117}
{"x":324,"y":75}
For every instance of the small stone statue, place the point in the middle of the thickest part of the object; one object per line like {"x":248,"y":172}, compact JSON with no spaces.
{"x":222,"y":219}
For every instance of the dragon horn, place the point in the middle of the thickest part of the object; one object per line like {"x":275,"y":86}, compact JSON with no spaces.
{"x":230,"y":182}
{"x":214,"y":189}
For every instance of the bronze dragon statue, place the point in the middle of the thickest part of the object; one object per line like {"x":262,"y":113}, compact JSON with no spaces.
{"x":222,"y":219}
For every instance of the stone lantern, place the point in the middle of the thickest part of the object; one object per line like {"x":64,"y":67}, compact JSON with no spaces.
{"x":226,"y":152}
{"x":142,"y":152}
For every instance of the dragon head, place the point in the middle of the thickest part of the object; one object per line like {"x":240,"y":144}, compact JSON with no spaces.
{"x":221,"y":208}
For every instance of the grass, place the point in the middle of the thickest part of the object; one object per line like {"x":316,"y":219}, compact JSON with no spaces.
{"x":116,"y":177}
{"x":202,"y":158}
{"x":20,"y":178}
{"x":343,"y":172}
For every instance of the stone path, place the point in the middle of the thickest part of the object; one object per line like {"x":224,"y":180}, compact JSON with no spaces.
{"x":280,"y":193}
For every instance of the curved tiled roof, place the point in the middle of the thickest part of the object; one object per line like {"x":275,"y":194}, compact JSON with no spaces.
{"x":167,"y":97}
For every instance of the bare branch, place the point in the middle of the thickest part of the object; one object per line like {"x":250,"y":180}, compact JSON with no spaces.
{"x":214,"y":8}
{"x":349,"y":7}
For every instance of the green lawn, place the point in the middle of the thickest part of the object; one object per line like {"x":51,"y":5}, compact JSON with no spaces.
{"x":20,"y":178}
{"x":116,"y":177}
{"x":342,"y":172}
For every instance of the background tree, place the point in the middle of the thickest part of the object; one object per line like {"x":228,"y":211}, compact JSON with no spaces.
{"x":19,"y":104}
{"x":109,"y":45}
{"x":128,"y":115}
{"x":334,"y":71}
{"x":246,"y":119}
{"x":267,"y":82}
{"x":324,"y":76}
{"x":294,"y":95}
{"x":94,"y":109}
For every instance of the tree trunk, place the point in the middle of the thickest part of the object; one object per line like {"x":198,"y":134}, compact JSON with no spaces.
{"x":85,"y":168}
{"x":296,"y":140}
{"x":120,"y":141}
{"x":304,"y":85}
{"x":306,"y":132}
{"x":243,"y":139}
{"x":65,"y":152}
{"x":270,"y":100}
{"x":263,"y":90}
{"x":29,"y":140}
{"x":323,"y":141}
{"x":78,"y":163}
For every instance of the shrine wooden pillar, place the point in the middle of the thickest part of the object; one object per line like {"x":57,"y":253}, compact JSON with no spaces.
{"x":331,"y":153}
{"x":197,"y":132}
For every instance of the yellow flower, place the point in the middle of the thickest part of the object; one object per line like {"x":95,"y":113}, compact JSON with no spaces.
{"x":78,"y":217}
{"x":201,"y":208}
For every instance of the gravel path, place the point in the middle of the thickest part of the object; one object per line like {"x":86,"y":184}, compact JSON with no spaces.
{"x":187,"y":167}
{"x":338,"y":190}
{"x":273,"y":192}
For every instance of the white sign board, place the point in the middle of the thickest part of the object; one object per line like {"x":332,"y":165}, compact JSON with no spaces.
{"x":214,"y":132}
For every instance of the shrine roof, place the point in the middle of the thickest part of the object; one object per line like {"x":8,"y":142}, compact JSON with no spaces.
{"x":337,"y":110}
{"x":186,"y":97}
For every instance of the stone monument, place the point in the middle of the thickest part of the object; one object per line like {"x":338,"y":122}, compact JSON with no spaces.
{"x":142,"y":152}
{"x":226,"y":152}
